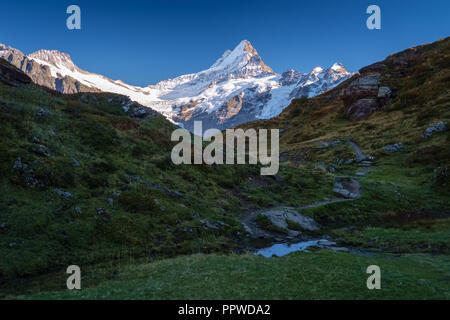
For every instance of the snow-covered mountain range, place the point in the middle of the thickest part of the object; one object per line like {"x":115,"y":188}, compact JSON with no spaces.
{"x":239,"y":87}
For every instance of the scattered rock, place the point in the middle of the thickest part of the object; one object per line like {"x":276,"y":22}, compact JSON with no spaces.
{"x":110,"y":201}
{"x":365,"y":163}
{"x":75,"y":162}
{"x":18,"y":165}
{"x":27,"y":174}
{"x":102,"y":213}
{"x":292,"y":234}
{"x":213,"y":225}
{"x":438,"y":127}
{"x":332,"y":168}
{"x":134,"y":110}
{"x":40,"y":150}
{"x":349,"y":161}
{"x":43,"y":113}
{"x":116,"y":194}
{"x":247,"y":228}
{"x":12,"y":244}
{"x":64,"y":194}
{"x":35,"y":139}
{"x":347,"y":188}
{"x":78,"y":210}
{"x":320,"y":165}
{"x":329,"y":144}
{"x":391,"y":148}
{"x":187,"y":229}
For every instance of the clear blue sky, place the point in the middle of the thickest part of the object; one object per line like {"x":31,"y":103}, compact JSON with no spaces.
{"x":142,"y":42}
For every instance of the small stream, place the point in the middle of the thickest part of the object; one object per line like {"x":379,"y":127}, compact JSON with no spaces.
{"x":282,"y":249}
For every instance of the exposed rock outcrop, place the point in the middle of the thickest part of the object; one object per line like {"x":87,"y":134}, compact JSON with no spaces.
{"x":364,"y":96}
{"x":12,"y":76}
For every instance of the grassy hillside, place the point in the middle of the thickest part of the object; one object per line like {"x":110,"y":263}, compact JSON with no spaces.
{"x":129,"y":208}
{"x":407,"y":188}
{"x":82,"y":182}
{"x":319,"y":275}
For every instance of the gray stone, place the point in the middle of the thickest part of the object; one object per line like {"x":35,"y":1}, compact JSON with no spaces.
{"x":78,"y":210}
{"x":40,"y":150}
{"x":64,"y":194}
{"x":391,"y":148}
{"x":349,"y":161}
{"x":42,"y":112}
{"x":331,"y":168}
{"x":213,"y":225}
{"x":325,"y":242}
{"x":110,"y":201}
{"x":116,"y":194}
{"x":367,"y":82}
{"x":329,"y":144}
{"x":384,"y":92}
{"x":102,"y":213}
{"x":438,"y":127}
{"x":280,"y":216}
{"x":75,"y":162}
{"x":27,"y":174}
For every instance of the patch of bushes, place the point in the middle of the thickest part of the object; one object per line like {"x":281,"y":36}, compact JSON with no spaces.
{"x":137,"y":201}
{"x":104,"y":166}
{"x":94,"y":181}
{"x":430,"y":155}
{"x":100,"y":136}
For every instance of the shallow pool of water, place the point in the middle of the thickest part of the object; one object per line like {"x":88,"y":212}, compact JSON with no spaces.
{"x":282,"y":249}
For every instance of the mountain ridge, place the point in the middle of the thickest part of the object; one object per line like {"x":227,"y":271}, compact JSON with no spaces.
{"x":238,"y":87}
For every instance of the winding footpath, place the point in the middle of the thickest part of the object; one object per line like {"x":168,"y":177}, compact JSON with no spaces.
{"x":348,"y":189}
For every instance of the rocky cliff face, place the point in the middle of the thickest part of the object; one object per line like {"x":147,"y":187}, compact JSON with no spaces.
{"x":40,"y":73}
{"x":12,"y":76}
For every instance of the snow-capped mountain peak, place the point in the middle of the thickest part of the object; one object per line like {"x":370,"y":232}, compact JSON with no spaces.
{"x":239,"y":87}
{"x":337,"y":66}
{"x":317,"y":70}
{"x":243,"y":57}
{"x":55,"y":58}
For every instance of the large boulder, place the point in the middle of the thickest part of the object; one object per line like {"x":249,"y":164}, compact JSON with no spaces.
{"x":280,"y":217}
{"x":362,"y":109}
{"x":364,"y":96}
